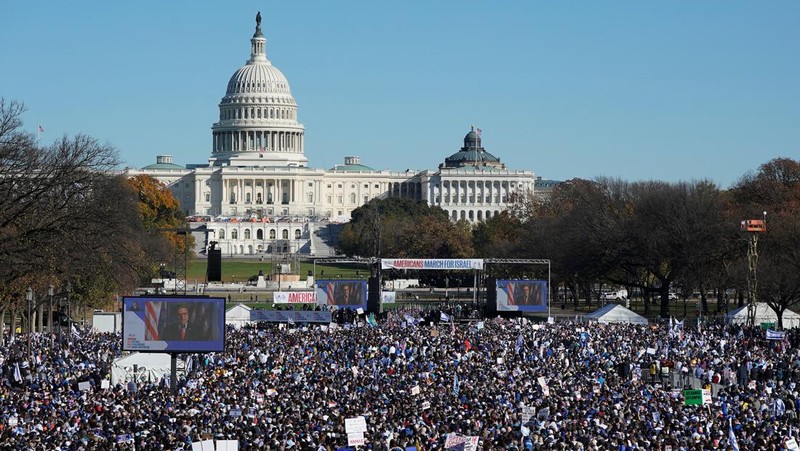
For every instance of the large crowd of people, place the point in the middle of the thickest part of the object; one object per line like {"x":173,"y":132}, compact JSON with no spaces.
{"x":513,"y":384}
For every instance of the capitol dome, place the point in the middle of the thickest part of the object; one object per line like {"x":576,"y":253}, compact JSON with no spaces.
{"x":258,"y":78}
{"x":258,"y":115}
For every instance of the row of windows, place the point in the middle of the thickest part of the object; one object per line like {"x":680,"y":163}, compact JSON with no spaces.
{"x":472,"y":215}
{"x":248,"y":198}
{"x":353,"y":186}
{"x":259,"y":113}
{"x":340,"y":199}
{"x":259,"y":234}
{"x":258,"y":86}
{"x":259,"y":100}
{"x":473,"y":199}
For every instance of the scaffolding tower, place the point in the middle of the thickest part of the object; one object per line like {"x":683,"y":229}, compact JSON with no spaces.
{"x":753,"y":227}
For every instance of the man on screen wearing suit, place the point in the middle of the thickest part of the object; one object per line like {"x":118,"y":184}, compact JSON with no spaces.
{"x":528,"y":296}
{"x":346,"y":295}
{"x":182,"y":330}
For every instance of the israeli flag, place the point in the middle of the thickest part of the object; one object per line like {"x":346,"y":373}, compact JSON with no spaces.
{"x":775,"y":335}
{"x":732,"y":437}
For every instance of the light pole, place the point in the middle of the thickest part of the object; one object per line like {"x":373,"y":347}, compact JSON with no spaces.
{"x":69,"y":313}
{"x":29,"y":299}
{"x":50,"y":313}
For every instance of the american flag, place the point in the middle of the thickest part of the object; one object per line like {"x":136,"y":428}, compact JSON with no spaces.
{"x":152,"y":314}
{"x":329,"y":293}
{"x":510,"y":293}
{"x":479,"y":131}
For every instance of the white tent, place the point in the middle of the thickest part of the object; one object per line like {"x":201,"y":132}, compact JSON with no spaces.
{"x":764,"y":314}
{"x":238,"y":315}
{"x":144,"y":366}
{"x":615,"y":313}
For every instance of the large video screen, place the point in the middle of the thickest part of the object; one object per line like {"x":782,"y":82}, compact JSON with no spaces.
{"x":173,"y":324}
{"x":342,"y":293}
{"x":522,"y":295}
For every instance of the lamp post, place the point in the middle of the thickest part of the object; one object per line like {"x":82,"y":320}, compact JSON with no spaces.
{"x":50,"y":313}
{"x":68,"y":288}
{"x":29,"y":299}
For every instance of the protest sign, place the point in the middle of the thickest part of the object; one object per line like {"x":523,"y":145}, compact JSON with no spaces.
{"x":355,"y":439}
{"x":353,"y":425}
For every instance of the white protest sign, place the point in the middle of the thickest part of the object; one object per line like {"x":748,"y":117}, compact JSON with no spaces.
{"x":454,"y":439}
{"x":500,"y":360}
{"x":543,"y":383}
{"x":105,"y":383}
{"x":426,"y":405}
{"x":205,"y":445}
{"x":13,"y":421}
{"x":227,"y":445}
{"x":360,"y":311}
{"x":651,"y":351}
{"x":84,"y":386}
{"x":388,"y":297}
{"x":791,"y":444}
{"x":415,"y":390}
{"x":353,"y":425}
{"x":528,"y":412}
{"x":355,"y":439}
{"x":706,"y":396}
{"x":471,"y":444}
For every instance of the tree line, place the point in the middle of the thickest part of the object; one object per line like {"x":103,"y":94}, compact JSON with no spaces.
{"x":653,"y":237}
{"x":71,"y":225}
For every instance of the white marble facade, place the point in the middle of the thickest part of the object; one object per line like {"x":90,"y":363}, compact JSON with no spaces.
{"x":258,"y":194}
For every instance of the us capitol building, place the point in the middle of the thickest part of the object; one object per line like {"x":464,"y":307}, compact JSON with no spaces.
{"x":257,"y":193}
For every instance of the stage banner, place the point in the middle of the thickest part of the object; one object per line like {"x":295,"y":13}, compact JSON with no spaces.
{"x":294,"y":297}
{"x":435,"y":263}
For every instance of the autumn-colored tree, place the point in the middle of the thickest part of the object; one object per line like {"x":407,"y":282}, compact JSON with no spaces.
{"x":157,"y":206}
{"x":435,"y":237}
{"x":160,"y":210}
{"x":498,"y":236}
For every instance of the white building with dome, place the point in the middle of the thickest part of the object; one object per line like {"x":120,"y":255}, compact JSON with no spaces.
{"x":258,"y":194}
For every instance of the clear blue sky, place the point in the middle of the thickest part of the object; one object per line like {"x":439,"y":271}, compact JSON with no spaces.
{"x":635,"y":89}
